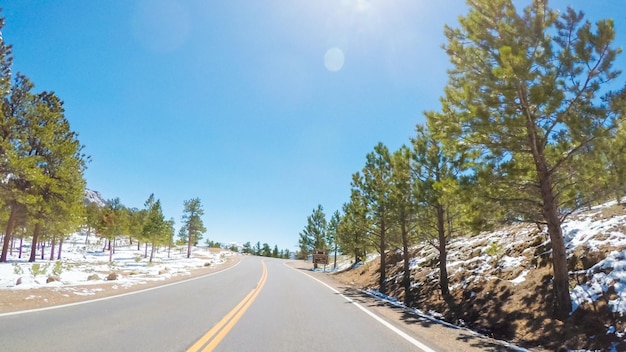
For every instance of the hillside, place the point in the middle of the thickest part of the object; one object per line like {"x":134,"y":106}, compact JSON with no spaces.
{"x":507,"y":295}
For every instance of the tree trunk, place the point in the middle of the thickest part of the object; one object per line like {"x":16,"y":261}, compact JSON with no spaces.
{"x":52,"y":244}
{"x":562,"y":299}
{"x":382,"y":282}
{"x":8,"y":233}
{"x":152,"y":252}
{"x":443,"y":253}
{"x":21,"y":244}
{"x":43,"y":250}
{"x":33,"y":247}
{"x":138,"y":245}
{"x":60,"y":248}
{"x":110,"y":252}
{"x":406,"y":280}
{"x":87,"y":236}
{"x":145,"y":250}
{"x":189,"y":244}
{"x":335,"y":261}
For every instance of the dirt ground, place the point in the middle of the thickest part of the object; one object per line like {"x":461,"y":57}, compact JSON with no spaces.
{"x":17,"y":300}
{"x":491,"y":305}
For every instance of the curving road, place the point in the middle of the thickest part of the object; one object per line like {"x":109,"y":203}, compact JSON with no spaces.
{"x":260,"y":304}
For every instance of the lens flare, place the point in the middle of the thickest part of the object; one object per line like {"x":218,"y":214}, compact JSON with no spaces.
{"x":333,"y":59}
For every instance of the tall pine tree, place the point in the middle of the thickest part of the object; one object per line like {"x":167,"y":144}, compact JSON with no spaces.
{"x":526,"y":91}
{"x":193,"y":227}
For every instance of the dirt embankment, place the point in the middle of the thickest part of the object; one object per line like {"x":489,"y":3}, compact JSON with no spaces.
{"x":508,"y":302}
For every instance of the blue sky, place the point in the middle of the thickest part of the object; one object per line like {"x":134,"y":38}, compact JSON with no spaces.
{"x":262,"y":109}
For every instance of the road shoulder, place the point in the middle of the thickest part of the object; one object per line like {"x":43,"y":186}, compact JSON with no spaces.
{"x":427,"y":330}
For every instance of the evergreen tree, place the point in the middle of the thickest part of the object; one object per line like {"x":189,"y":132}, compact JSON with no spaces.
{"x":170,"y":231}
{"x":58,"y":190}
{"x":247,"y":248}
{"x":93,"y":216}
{"x":41,"y":164}
{"x":376,"y":189}
{"x":439,"y":208}
{"x":403,"y":210}
{"x":331,"y":235}
{"x":525,"y":92}
{"x":266,"y":251}
{"x":354,"y":224}
{"x":155,"y":229}
{"x":193,"y":227}
{"x":19,"y":169}
{"x":313,"y":236}
{"x":112,"y":224}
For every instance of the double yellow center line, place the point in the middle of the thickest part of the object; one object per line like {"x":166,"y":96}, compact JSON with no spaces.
{"x":212,"y":338}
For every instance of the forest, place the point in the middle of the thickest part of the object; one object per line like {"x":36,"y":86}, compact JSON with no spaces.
{"x":530,"y":129}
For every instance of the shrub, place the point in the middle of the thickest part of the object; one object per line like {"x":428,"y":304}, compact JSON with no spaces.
{"x":37,"y":269}
{"x":58,"y":268}
{"x":17,"y":269}
{"x":495,"y":251}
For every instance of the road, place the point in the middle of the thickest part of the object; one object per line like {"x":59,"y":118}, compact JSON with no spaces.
{"x":261,"y":304}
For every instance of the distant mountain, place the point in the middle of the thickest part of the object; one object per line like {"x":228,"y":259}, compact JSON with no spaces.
{"x":93,"y":197}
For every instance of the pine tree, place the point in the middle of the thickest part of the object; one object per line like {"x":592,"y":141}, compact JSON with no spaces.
{"x":439,"y":209}
{"x":193,"y":227}
{"x":58,"y":189}
{"x":19,"y":169}
{"x":93,"y":215}
{"x":155,"y":229}
{"x":266,"y":251}
{"x":525,"y":92}
{"x":376,"y":190}
{"x":331,"y":235}
{"x":113,"y":223}
{"x":247,"y":248}
{"x":354,"y":224}
{"x":41,"y":164}
{"x":313,"y":236}
{"x":403,"y":210}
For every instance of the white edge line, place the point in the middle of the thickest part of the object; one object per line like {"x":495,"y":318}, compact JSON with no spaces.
{"x":115,"y":296}
{"x":388,"y":325}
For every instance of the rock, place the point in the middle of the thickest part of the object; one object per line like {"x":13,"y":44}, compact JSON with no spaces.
{"x":112,"y":276}
{"x":52,"y":278}
{"x":18,"y":282}
{"x":163,"y":271}
{"x":207,"y":264}
{"x":93,"y":277}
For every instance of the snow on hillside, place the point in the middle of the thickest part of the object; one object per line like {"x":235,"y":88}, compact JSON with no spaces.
{"x":593,"y":233}
{"x":515,"y":258}
{"x":83,"y":264}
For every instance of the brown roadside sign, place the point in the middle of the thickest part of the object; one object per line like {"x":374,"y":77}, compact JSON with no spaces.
{"x":320,"y":257}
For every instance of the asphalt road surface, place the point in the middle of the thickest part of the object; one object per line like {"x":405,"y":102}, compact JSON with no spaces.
{"x":261,"y":304}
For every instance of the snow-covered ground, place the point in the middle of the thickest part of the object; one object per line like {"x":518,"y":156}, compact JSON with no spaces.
{"x":87,"y":265}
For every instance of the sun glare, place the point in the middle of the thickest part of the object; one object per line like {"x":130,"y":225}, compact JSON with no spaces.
{"x":333,"y":59}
